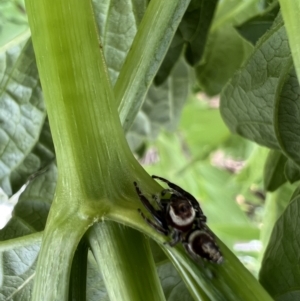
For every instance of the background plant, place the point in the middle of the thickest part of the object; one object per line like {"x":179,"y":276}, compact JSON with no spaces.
{"x":96,"y":169}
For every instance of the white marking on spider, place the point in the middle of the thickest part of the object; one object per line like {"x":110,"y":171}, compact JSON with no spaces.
{"x":178,"y":220}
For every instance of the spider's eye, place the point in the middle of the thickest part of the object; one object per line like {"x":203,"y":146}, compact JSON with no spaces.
{"x":183,"y":208}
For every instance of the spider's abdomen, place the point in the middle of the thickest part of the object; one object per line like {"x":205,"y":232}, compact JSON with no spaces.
{"x":200,"y":243}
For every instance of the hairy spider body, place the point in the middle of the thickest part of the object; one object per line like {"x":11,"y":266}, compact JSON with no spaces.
{"x":181,"y":217}
{"x":201,"y":243}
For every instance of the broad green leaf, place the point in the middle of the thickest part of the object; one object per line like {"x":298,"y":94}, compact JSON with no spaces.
{"x":276,"y":203}
{"x":255,"y":27}
{"x":162,"y":107}
{"x":247,"y":102}
{"x":40,"y":156}
{"x":193,"y":31}
{"x":173,"y":286}
{"x":30,"y":214}
{"x":18,"y":263}
{"x":274,"y":175}
{"x":170,"y":59}
{"x":224,"y":53}
{"x":290,"y":11}
{"x":280,"y":267}
{"x":292,"y":171}
{"x":22,"y":111}
{"x":117,"y":25}
{"x":95,"y":287}
{"x":287,"y":116}
{"x":195,"y":26}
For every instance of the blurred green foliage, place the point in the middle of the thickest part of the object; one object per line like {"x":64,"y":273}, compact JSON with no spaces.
{"x":239,"y":158}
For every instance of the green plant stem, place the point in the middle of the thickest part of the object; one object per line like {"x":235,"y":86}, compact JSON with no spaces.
{"x":133,"y":266}
{"x":149,"y":47}
{"x":93,"y":157}
{"x":75,"y":83}
{"x":55,"y":258}
{"x":230,"y":281}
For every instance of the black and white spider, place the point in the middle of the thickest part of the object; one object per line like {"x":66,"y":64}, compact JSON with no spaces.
{"x":181,"y":216}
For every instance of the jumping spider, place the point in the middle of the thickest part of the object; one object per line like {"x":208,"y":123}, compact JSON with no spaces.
{"x":181,"y":216}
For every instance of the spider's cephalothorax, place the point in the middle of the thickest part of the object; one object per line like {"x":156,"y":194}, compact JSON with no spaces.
{"x":180,"y":216}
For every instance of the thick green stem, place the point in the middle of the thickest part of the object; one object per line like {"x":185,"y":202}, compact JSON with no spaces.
{"x":82,"y":113}
{"x":55,"y":259}
{"x":93,"y":157}
{"x":134,"y":272}
{"x":290,"y":10}
{"x":148,"y":49}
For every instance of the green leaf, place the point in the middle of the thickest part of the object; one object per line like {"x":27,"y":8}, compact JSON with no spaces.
{"x":290,"y":12}
{"x":170,"y":59}
{"x":292,"y":171}
{"x":95,"y":287}
{"x":255,"y":27}
{"x":173,"y":286}
{"x":22,"y":113}
{"x":162,"y":107}
{"x":117,"y":26}
{"x":276,"y":203}
{"x":247,"y":102}
{"x":280,"y":272}
{"x":30,"y":213}
{"x":40,"y":156}
{"x":274,"y":175}
{"x":195,"y":26}
{"x":287,"y":116}
{"x":18,"y":263}
{"x":224,"y":53}
{"x":193,"y":30}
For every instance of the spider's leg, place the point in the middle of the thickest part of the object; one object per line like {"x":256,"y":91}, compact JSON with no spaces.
{"x":200,"y":219}
{"x":181,"y":191}
{"x":168,"y":190}
{"x":153,"y":224}
{"x":176,"y":238}
{"x":155,"y":213}
{"x":160,"y":202}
